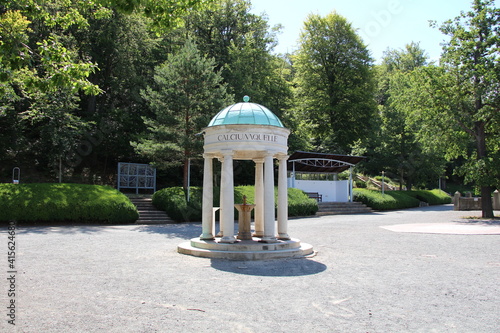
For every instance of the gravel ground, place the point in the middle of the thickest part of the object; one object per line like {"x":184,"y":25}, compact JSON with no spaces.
{"x":364,"y":278}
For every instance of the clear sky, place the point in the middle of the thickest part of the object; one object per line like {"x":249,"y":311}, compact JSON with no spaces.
{"x":381,"y":23}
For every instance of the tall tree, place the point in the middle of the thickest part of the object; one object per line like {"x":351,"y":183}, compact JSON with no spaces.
{"x":458,"y":104}
{"x":48,"y":48}
{"x":335,"y":85}
{"x":394,"y":147}
{"x":241,"y":43}
{"x":125,"y":48}
{"x":186,"y":92}
{"x":41,"y":78}
{"x":473,"y":57}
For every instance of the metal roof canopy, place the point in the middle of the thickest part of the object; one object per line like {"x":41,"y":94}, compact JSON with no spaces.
{"x":307,"y":162}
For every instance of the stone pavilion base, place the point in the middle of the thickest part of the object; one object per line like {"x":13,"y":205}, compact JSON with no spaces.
{"x":246,"y":249}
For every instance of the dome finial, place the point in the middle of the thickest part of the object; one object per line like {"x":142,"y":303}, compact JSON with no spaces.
{"x":246,"y":98}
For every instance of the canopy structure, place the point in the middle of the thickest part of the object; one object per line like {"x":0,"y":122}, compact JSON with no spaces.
{"x":308,"y":162}
{"x":302,"y":162}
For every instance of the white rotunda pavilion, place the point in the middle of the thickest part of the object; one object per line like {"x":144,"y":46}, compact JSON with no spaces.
{"x":246,"y":131}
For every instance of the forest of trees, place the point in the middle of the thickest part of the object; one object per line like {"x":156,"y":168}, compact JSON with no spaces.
{"x":87,"y":84}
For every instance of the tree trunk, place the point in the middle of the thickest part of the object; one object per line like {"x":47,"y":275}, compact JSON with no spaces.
{"x":486,"y":203}
{"x":409,"y":181}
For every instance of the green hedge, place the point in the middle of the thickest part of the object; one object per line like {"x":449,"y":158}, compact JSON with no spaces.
{"x":299,"y":203}
{"x":390,"y":200}
{"x":433,"y":197}
{"x":173,"y":201}
{"x":400,"y":199}
{"x":65,"y":202}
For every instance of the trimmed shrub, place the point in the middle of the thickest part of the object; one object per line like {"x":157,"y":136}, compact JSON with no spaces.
{"x":65,"y":202}
{"x":433,"y":197}
{"x":173,"y":201}
{"x":299,"y":203}
{"x":391,"y":199}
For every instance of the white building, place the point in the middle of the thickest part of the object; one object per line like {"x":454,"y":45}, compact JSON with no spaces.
{"x":316,"y":174}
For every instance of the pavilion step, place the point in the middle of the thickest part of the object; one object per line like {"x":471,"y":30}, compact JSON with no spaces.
{"x":340,"y":208}
{"x":246,"y":250}
{"x":148,"y":214}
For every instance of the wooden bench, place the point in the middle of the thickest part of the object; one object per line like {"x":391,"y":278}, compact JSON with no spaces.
{"x":315,"y":195}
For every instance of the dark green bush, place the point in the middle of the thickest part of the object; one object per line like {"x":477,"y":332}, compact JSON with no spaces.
{"x":65,"y":202}
{"x":173,"y":201}
{"x":359,"y":183}
{"x":389,"y":200}
{"x":299,"y":203}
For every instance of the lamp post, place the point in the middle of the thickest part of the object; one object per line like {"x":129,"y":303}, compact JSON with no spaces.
{"x":188,"y":177}
{"x":383,"y":186}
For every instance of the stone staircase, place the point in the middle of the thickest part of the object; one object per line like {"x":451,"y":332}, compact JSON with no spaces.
{"x":377,"y":183}
{"x":338,"y":208}
{"x":148,"y":214}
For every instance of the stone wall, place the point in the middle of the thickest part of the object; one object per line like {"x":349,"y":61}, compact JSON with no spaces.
{"x":473,"y":203}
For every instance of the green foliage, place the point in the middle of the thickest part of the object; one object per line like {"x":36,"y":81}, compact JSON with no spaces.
{"x":173,"y":201}
{"x":299,"y":203}
{"x":241,"y":43}
{"x":385,"y":179}
{"x":335,"y":85}
{"x":187,"y":90}
{"x":359,"y":183}
{"x":65,"y":202}
{"x":453,"y":187}
{"x":45,"y":59}
{"x":71,"y":73}
{"x":433,"y":197}
{"x":239,"y":191}
{"x":456,"y":105}
{"x":388,"y":201}
{"x":484,"y":171}
{"x":394,"y":147}
{"x":400,"y":199}
{"x":125,"y":49}
{"x":166,"y":14}
{"x":57,"y":58}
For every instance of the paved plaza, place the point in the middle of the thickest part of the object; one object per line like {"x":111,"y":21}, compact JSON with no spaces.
{"x":413,"y":270}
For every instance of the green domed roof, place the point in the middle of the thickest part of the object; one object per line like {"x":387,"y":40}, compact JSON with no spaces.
{"x":246,"y":113}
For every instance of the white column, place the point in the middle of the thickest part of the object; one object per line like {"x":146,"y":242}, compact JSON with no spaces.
{"x":282,"y":199}
{"x":221,"y":201}
{"x":207,"y":223}
{"x":227,"y":200}
{"x":259,"y":198}
{"x":351,"y":195}
{"x":269,"y":221}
